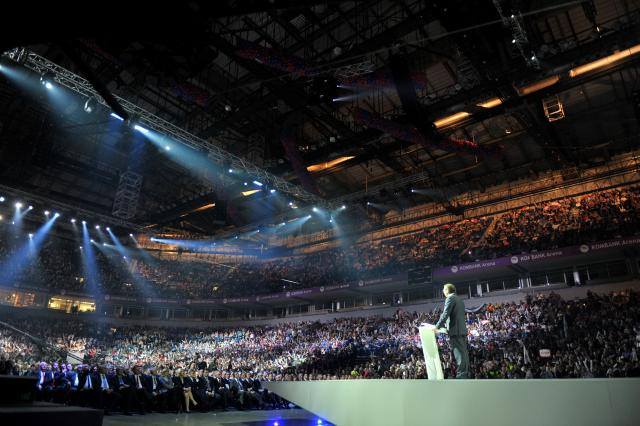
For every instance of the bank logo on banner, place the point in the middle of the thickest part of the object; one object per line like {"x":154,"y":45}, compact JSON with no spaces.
{"x":454,"y":269}
{"x":584,"y":248}
{"x":360,"y":283}
{"x":148,"y":300}
{"x":322,"y":289}
{"x":224,"y":300}
{"x":288,"y":294}
{"x":257,"y":298}
{"x":106,"y":297}
{"x":514,"y":259}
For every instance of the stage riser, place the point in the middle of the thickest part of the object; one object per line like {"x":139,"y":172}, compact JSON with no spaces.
{"x":583,"y":402}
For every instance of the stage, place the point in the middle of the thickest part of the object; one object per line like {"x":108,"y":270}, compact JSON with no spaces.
{"x":582,"y":402}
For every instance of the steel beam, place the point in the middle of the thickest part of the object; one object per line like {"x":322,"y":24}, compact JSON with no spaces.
{"x":148,"y":120}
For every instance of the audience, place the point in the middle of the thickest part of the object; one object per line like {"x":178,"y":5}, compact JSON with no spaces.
{"x":576,"y":220}
{"x":149,"y":368}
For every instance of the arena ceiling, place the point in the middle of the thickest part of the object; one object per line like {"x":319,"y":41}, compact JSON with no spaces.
{"x":285,"y":84}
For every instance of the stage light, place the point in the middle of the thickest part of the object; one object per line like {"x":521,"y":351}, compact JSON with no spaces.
{"x":131,"y":235}
{"x":18,"y":205}
{"x":46,"y":212}
{"x":290,"y":203}
{"x":73,"y":221}
{"x":140,"y":129}
{"x":245,"y":184}
{"x":368,"y":203}
{"x":255,"y":182}
{"x":167,"y":148}
{"x":538,"y":85}
{"x":98,"y":227}
{"x":315,"y":209}
{"x":30,"y":208}
{"x":114,"y":115}
{"x":282,"y":224}
{"x":124,"y":257}
{"x":343,"y":207}
{"x":104,"y":244}
{"x":272,"y":191}
{"x":47,"y":80}
{"x":276,"y":424}
{"x":331,"y":220}
{"x":56,"y":214}
{"x":451,"y":119}
{"x":30,"y":236}
{"x":227,"y":108}
{"x":413,"y":190}
{"x":84,"y":222}
{"x":1,"y":199}
{"x":91,"y":241}
{"x":328,"y":164}
{"x":90,"y":105}
{"x":108,"y":229}
{"x":230,"y":170}
{"x":1,"y":217}
{"x":80,"y":247}
{"x":319,"y":422}
{"x":607,"y":60}
{"x":490,"y":103}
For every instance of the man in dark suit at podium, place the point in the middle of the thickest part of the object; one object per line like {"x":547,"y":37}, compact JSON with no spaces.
{"x":453,"y":316}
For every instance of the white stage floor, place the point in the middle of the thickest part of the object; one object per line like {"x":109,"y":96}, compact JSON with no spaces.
{"x":558,"y":402}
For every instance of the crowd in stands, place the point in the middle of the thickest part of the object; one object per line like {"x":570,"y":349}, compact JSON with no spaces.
{"x":176,"y":368}
{"x":574,"y":220}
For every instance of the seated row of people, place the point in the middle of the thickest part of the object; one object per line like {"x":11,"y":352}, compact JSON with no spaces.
{"x":117,"y":389}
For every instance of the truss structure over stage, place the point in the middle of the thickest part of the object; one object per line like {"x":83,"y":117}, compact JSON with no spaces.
{"x":151,"y":121}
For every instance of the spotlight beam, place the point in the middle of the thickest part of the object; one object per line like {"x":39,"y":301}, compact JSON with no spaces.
{"x":152,"y":122}
{"x":89,"y":263}
{"x":14,"y":265}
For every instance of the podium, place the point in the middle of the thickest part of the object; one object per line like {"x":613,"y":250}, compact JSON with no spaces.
{"x":430,"y":351}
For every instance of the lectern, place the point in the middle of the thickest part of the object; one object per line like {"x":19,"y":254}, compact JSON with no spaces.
{"x":430,"y":351}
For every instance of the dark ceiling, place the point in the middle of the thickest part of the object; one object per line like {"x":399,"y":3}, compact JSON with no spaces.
{"x":188,"y":64}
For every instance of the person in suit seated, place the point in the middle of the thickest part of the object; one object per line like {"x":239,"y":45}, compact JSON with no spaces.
{"x":253,"y":390}
{"x":141,"y":398}
{"x":153,"y":387}
{"x":60,"y":384}
{"x":453,"y":316}
{"x":73,"y":377}
{"x":253,"y":398}
{"x":107,"y":396}
{"x":183,"y":383}
{"x":198,"y":389}
{"x":87,"y":388}
{"x":214,"y":398}
{"x":44,"y":386}
{"x":217,"y":386}
{"x":168,"y":391}
{"x":238,"y":391}
{"x":122,"y":386}
{"x":226,"y":381}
